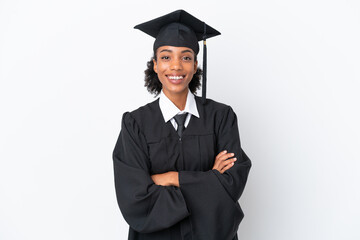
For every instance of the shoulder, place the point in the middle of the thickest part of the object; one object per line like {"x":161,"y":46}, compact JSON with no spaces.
{"x":217,"y":114}
{"x":142,"y":114}
{"x":146,"y":110}
{"x":213,"y":107}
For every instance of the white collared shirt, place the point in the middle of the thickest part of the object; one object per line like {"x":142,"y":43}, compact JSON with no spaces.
{"x":169,"y":110}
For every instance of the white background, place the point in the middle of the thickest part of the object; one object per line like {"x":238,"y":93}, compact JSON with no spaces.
{"x":70,"y":68}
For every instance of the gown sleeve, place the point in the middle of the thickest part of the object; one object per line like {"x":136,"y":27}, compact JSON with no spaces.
{"x":214,"y":196}
{"x":234,"y":179}
{"x":144,"y":205}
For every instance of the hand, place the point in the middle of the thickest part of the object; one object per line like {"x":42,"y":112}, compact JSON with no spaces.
{"x":224,"y":161}
{"x":166,"y":179}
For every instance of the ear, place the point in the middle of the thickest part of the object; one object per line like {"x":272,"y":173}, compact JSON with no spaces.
{"x":195,"y":66}
{"x":155,"y":65}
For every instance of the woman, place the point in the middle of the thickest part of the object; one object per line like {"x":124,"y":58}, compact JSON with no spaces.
{"x":179,"y":167}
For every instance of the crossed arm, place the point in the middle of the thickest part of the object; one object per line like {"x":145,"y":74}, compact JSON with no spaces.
{"x":223,"y":162}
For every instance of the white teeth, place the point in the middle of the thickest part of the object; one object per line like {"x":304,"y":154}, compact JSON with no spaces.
{"x":176,"y":77}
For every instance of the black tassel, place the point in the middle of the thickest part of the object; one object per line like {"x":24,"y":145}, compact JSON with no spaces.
{"x":204,"y":67}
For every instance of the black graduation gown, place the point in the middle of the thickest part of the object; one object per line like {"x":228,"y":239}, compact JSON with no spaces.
{"x":205,"y":206}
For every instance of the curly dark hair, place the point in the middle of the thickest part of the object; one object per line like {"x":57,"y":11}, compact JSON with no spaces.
{"x":154,"y":86}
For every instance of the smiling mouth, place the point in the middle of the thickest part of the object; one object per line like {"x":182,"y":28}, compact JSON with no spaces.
{"x":173,"y":77}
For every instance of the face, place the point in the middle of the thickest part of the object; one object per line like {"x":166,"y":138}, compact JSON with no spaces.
{"x":175,"y":67}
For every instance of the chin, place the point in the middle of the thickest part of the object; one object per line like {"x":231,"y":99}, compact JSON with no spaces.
{"x":177,"y":89}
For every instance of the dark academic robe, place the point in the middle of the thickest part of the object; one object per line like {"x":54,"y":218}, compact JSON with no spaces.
{"x":205,"y":206}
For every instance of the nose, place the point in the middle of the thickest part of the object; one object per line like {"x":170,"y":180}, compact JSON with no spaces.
{"x":176,"y":64}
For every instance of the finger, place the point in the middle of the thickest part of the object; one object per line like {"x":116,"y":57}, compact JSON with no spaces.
{"x":226,"y":162}
{"x":221,"y":164}
{"x":227,"y":167}
{"x":221,"y":154}
{"x":222,"y":158}
{"x":226,"y":156}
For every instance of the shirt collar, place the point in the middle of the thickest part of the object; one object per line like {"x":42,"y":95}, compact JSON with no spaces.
{"x":169,"y":110}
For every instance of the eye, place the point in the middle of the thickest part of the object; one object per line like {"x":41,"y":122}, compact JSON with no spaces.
{"x":187,"y":58}
{"x":165,"y":57}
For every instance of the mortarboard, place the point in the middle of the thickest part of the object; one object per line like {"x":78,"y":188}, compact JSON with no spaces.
{"x":180,"y":29}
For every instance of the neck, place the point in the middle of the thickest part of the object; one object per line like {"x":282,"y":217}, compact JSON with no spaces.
{"x":179,"y":99}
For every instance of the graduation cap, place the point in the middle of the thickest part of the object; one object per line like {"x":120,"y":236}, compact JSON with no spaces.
{"x":180,"y":29}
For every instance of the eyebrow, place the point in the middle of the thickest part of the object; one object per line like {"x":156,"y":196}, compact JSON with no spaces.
{"x":165,"y":50}
{"x":168,"y":50}
{"x":186,"y":51}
